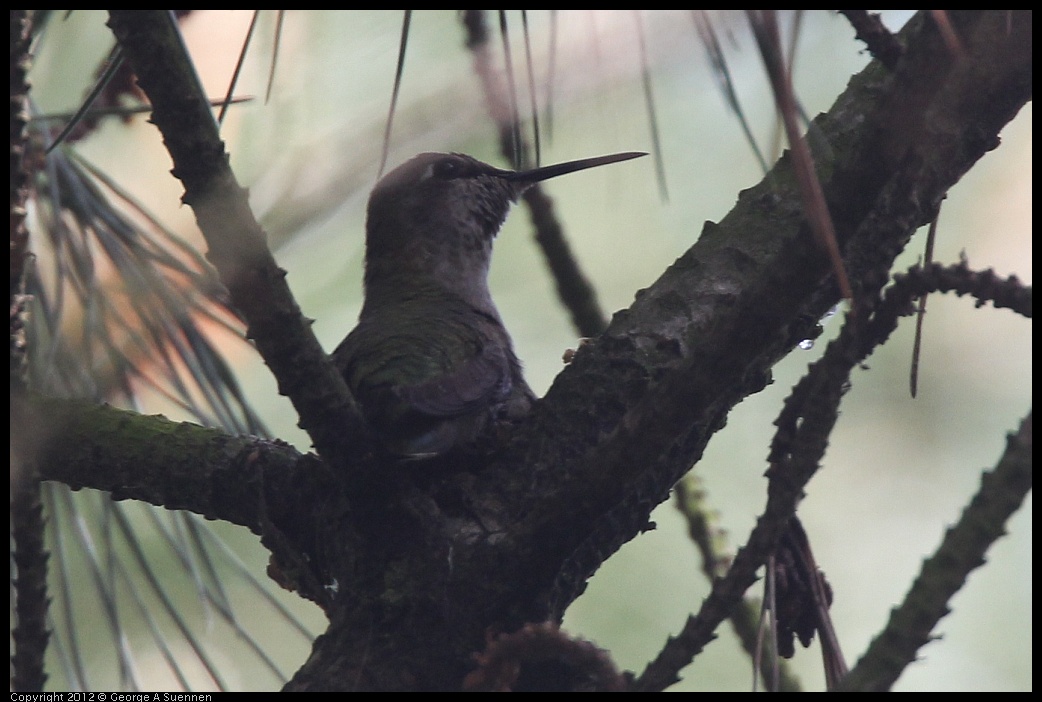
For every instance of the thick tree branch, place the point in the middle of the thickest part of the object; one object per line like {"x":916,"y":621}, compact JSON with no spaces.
{"x":266,"y":486}
{"x":176,"y":465}
{"x":636,"y":408}
{"x":237,"y":244}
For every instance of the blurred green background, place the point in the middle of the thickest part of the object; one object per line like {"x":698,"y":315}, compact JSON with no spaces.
{"x":897,"y":471}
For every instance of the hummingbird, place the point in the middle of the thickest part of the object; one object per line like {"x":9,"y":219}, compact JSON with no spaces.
{"x":430,"y":362}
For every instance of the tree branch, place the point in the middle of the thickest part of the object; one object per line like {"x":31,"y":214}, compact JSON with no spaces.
{"x":29,"y":632}
{"x":635,"y":409}
{"x":804,"y":427}
{"x":237,"y":244}
{"x":871,"y":30}
{"x":268,"y":487}
{"x":1001,"y":493}
{"x":177,"y":465}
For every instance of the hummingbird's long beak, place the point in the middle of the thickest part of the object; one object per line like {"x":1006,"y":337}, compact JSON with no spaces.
{"x":535,"y":175}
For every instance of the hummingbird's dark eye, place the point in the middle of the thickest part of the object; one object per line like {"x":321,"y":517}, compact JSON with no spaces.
{"x":447,"y":168}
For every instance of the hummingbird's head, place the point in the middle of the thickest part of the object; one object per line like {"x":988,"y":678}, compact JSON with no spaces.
{"x":440,"y":204}
{"x":435,"y":216}
{"x":454,"y":198}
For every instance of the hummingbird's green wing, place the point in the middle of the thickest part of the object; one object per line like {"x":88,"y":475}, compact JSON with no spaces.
{"x":425,"y":387}
{"x":474,"y":384}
